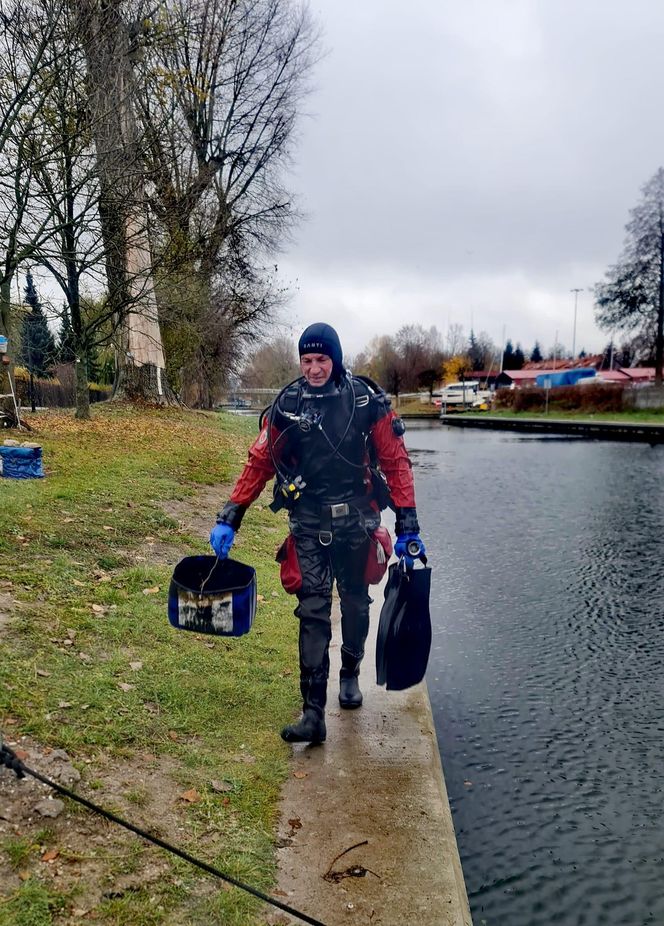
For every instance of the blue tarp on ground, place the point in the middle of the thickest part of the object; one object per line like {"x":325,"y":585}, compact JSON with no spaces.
{"x":21,"y":462}
{"x":564,"y":377}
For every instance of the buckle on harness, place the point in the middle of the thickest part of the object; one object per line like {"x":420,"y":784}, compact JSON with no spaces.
{"x":328,"y":538}
{"x":340,"y":510}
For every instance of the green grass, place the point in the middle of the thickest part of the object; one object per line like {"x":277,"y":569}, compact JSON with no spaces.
{"x":32,"y":905}
{"x":69,"y":552}
{"x":641,"y":416}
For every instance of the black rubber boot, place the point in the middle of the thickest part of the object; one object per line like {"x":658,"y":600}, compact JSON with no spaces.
{"x":310,"y":728}
{"x":350,"y":696}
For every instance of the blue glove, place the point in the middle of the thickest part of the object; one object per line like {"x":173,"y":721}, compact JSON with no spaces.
{"x":221,"y":539}
{"x":401,"y":548}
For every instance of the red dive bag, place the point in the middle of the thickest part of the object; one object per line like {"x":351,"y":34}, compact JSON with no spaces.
{"x":291,"y":577}
{"x":380,"y":551}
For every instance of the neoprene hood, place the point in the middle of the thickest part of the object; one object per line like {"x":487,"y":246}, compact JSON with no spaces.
{"x":321,"y":338}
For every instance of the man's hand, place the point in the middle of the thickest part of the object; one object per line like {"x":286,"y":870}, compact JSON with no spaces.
{"x":221,"y":539}
{"x":406,"y":547}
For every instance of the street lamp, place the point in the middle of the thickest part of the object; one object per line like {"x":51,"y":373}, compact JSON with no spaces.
{"x":576,"y":291}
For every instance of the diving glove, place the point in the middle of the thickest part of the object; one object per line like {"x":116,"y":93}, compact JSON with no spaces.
{"x":221,"y":539}
{"x":409,"y":546}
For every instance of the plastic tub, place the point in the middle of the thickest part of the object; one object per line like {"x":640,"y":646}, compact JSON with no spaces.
{"x":214,"y":596}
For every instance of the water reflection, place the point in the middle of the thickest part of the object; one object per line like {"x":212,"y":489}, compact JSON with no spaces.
{"x":546,"y":671}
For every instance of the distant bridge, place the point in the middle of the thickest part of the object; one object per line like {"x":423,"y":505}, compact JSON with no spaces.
{"x":256,"y":399}
{"x":249,"y":398}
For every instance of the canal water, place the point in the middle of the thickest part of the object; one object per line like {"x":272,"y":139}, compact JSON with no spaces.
{"x":547,"y":670}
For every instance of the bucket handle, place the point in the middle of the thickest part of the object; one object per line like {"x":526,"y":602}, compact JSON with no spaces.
{"x":207,"y":579}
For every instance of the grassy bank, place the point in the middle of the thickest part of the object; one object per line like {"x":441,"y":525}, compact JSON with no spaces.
{"x":641,"y":416}
{"x":178,"y":732}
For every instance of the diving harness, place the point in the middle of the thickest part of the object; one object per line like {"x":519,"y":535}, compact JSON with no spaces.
{"x":289,"y":487}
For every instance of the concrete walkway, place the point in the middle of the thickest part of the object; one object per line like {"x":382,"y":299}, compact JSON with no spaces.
{"x":375,"y":788}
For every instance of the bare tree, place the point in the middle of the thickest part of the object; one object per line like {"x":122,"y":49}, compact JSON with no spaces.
{"x":632,"y":296}
{"x":222,"y":83}
{"x":65,"y":190}
{"x":456,"y":342}
{"x":108,"y":39}
{"x":26,"y":57}
{"x":274,"y":364}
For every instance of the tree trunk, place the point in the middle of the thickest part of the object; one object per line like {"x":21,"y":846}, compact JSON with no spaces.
{"x":123,"y":212}
{"x":659,"y":343}
{"x":6,"y":405}
{"x":82,"y":387}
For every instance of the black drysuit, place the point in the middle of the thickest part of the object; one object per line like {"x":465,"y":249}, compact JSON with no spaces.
{"x":323,"y":439}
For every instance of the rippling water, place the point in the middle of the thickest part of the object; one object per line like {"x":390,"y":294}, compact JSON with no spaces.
{"x":547,"y":670}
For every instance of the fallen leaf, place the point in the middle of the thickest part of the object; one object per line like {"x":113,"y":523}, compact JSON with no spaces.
{"x":50,"y":855}
{"x":295,"y":823}
{"x":107,"y":527}
{"x":79,"y":584}
{"x":260,"y":597}
{"x":191,"y":796}
{"x":98,"y":608}
{"x":172,"y":735}
{"x":151,"y":591}
{"x":135,"y":666}
{"x":84,"y":657}
{"x":64,"y":704}
{"x":300,"y":774}
{"x":221,"y":786}
{"x":68,"y":520}
{"x":21,"y":754}
{"x":43,"y":673}
{"x":125,"y":686}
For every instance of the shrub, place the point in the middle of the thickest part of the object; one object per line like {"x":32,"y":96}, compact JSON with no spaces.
{"x":595,"y":397}
{"x":59,"y":392}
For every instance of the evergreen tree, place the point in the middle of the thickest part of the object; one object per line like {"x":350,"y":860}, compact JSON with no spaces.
{"x":37,"y":343}
{"x":508,"y":357}
{"x":66,"y":352}
{"x":94,"y":366}
{"x":632,"y":296}
{"x":476,"y":351}
{"x":536,"y":354}
{"x":519,"y":358}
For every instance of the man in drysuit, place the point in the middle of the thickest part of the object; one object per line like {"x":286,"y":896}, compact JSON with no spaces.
{"x":323,"y":439}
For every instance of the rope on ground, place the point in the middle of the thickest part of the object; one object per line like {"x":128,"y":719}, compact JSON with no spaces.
{"x":10,"y":760}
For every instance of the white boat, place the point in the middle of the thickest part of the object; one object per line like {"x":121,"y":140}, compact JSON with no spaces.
{"x":464,"y":395}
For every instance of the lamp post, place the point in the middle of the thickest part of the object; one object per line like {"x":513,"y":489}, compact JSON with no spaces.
{"x":576,"y":290}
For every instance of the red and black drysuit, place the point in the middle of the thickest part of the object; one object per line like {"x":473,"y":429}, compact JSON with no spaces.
{"x":348,"y":423}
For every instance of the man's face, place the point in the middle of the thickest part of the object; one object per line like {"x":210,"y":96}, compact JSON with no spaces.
{"x":316,"y":368}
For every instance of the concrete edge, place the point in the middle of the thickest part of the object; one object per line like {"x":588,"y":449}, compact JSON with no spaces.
{"x":463,"y":906}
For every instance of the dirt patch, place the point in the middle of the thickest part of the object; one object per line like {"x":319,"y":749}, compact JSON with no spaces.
{"x":8,"y":606}
{"x":197,"y":514}
{"x":73,"y":849}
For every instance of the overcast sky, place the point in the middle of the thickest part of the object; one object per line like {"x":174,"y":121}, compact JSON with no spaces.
{"x":471,"y":162}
